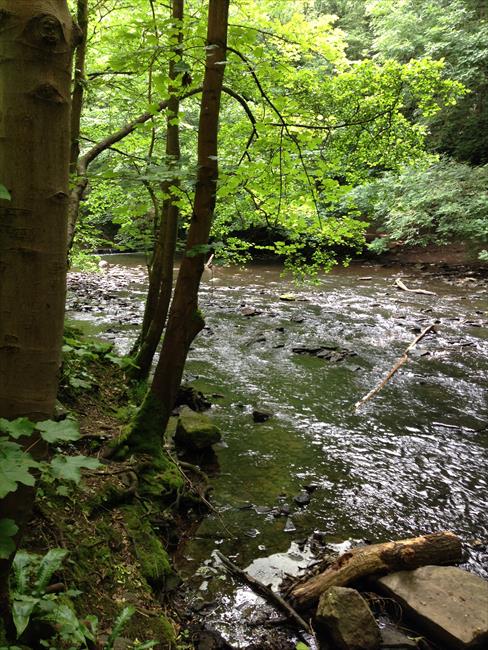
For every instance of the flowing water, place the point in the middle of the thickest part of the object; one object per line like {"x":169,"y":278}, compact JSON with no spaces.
{"x":412,"y":460}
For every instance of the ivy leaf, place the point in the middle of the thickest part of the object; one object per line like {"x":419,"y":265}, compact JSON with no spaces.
{"x":17,"y":428}
{"x":8,"y":528}
{"x":15,"y":466}
{"x":66,"y":430}
{"x":68,"y":468}
{"x":4,"y":193}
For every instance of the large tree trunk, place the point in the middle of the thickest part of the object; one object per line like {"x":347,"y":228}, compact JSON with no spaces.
{"x":378,"y":559}
{"x":36,"y":45}
{"x":161,"y":272}
{"x":185,"y":320}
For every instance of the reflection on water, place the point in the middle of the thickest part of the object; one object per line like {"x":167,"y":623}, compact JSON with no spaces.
{"x":411,"y":461}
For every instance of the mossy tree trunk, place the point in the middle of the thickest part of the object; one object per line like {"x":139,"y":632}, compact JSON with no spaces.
{"x":185,"y":320}
{"x":37,"y":38}
{"x":161,"y":271}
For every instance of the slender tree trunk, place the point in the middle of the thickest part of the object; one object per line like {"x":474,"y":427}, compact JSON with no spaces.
{"x":79,"y":84}
{"x":36,"y":44}
{"x":161,"y":275}
{"x":185,"y":320}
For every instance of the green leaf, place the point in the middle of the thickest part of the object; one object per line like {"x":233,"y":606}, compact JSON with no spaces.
{"x":22,"y":609}
{"x":15,"y":466}
{"x":68,"y":468}
{"x":50,"y":563}
{"x":4,"y":193}
{"x":8,"y":528}
{"x":301,"y":646}
{"x":17,"y":428}
{"x":66,"y":430}
{"x":121,"y":621}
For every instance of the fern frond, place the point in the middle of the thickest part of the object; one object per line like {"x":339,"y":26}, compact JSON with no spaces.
{"x":49,"y":564}
{"x":22,"y":568}
{"x":120,"y":622}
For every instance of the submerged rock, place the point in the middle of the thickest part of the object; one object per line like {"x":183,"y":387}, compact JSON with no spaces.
{"x":196,"y":430}
{"x":261,"y":416}
{"x":449,"y":603}
{"x":344,"y":617}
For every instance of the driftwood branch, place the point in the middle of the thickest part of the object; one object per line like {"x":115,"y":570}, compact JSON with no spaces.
{"x":403,"y":359}
{"x":267,"y":593}
{"x":379,"y":559}
{"x":403,"y":287}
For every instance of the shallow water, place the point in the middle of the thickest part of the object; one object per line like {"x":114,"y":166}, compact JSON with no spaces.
{"x":411,"y":461}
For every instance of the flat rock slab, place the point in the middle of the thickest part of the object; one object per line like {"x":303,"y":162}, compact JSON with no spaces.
{"x":449,"y":603}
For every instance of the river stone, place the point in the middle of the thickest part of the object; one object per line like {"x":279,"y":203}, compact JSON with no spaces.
{"x":346,"y":619}
{"x":196,"y":430}
{"x":394,"y":639}
{"x":449,"y":603}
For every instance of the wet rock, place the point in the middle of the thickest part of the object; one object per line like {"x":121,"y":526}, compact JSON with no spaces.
{"x":449,"y":603}
{"x":250,"y":311}
{"x":314,"y":350}
{"x":210,"y":639}
{"x":289,"y":297}
{"x":196,"y":430}
{"x":344,"y":616}
{"x":394,"y":639}
{"x":189,"y":396}
{"x":289,"y":526}
{"x":302,"y":499}
{"x":261,"y":416}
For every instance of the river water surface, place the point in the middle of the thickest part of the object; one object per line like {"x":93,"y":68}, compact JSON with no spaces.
{"x":412,"y":460}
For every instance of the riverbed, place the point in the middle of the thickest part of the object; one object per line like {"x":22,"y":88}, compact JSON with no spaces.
{"x":412,"y":460}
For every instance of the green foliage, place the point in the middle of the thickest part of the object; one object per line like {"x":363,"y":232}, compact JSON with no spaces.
{"x":15,"y":467}
{"x":8,"y":529}
{"x":30,"y":579}
{"x":456,"y":32}
{"x":17,"y":464}
{"x":77,"y":357}
{"x":442,"y":203}
{"x":121,"y":621}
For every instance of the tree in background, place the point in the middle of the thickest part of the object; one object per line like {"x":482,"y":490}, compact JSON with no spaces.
{"x":185,"y":320}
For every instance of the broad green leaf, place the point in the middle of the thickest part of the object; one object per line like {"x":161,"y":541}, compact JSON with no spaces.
{"x":65,"y":430}
{"x":15,"y":466}
{"x":68,"y":468}
{"x":17,"y":428}
{"x":4,"y":193}
{"x":22,"y":609}
{"x":8,"y":528}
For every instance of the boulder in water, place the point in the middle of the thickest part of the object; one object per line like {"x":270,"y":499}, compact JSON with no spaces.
{"x":196,"y":430}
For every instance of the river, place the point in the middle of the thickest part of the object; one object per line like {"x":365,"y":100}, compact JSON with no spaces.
{"x":412,"y":460}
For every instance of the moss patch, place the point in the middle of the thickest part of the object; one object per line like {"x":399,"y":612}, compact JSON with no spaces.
{"x":153,"y":559}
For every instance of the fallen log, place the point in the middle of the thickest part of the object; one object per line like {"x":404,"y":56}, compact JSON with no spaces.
{"x":404,"y":287}
{"x":379,"y":559}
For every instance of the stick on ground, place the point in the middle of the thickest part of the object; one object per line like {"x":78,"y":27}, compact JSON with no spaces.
{"x":264,"y":591}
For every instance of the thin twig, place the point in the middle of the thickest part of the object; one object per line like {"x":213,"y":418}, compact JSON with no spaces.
{"x":264,"y":591}
{"x":403,"y":359}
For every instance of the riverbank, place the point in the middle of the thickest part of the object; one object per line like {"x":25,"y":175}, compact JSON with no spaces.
{"x":411,"y":462}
